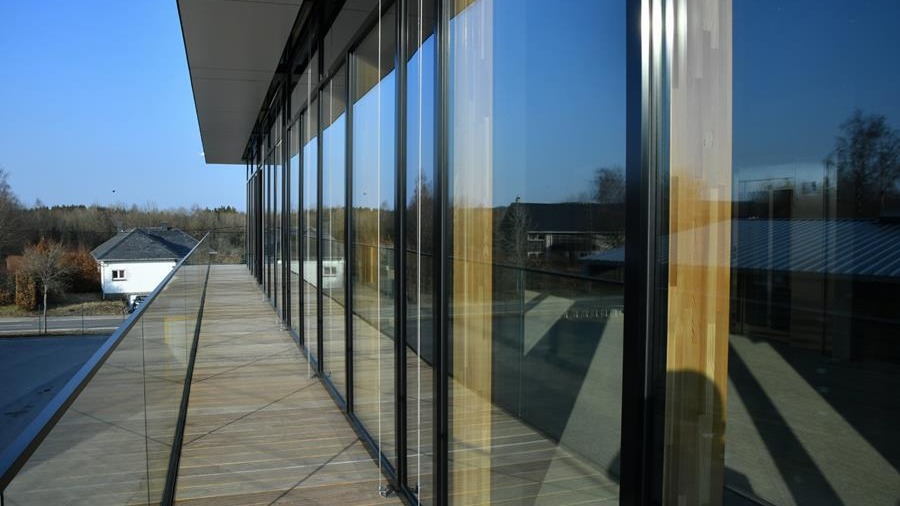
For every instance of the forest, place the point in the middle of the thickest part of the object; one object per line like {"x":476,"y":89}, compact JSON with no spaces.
{"x":75,"y":230}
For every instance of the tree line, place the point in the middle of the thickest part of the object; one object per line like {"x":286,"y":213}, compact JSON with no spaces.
{"x":70,"y":232}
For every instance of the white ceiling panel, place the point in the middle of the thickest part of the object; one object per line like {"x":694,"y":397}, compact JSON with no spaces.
{"x":233,"y":48}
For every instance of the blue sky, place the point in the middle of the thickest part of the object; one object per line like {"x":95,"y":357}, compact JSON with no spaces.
{"x":96,"y":97}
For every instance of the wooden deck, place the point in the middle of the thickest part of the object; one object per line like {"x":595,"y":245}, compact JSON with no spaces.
{"x":260,"y":430}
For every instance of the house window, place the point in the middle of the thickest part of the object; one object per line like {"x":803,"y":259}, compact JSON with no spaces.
{"x":118,"y":274}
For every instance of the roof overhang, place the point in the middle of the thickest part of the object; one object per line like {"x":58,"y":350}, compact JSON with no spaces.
{"x":233,"y":49}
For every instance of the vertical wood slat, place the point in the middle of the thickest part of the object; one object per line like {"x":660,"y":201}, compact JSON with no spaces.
{"x":699,"y":250}
{"x":472,"y":250}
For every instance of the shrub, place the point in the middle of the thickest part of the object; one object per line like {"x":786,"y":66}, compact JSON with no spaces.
{"x":26,"y":292}
{"x":84,"y":277}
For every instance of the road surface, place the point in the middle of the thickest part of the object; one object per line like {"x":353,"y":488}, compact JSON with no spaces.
{"x":15,"y":326}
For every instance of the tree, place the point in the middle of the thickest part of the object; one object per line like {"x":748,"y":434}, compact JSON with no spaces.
{"x":866,"y":164}
{"x":10,"y":212}
{"x":45,"y":262}
{"x":609,"y":185}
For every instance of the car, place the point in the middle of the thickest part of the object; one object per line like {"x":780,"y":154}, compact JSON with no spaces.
{"x":134,"y":301}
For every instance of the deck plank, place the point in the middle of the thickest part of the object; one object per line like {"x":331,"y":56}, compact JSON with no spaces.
{"x":259,"y":430}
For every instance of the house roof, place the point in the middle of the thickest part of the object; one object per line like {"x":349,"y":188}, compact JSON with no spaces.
{"x":838,"y":247}
{"x":162,"y":243}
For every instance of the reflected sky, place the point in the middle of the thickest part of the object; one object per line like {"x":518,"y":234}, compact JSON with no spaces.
{"x":559,"y":96}
{"x":800,"y":70}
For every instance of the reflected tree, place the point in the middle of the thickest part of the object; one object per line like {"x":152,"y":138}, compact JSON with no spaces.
{"x":609,"y":185}
{"x":865,"y":162}
{"x":513,"y":234}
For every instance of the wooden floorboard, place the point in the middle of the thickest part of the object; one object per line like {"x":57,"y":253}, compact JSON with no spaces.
{"x":259,"y":429}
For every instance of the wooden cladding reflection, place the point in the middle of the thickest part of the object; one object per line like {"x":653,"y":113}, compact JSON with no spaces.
{"x":699,"y":250}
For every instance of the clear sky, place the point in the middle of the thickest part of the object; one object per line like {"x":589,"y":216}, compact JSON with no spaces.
{"x":95,"y":96}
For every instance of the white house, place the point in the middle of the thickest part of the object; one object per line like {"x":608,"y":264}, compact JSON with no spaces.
{"x":135,"y":261}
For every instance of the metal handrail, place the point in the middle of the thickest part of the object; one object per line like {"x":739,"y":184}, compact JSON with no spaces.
{"x":24,"y":445}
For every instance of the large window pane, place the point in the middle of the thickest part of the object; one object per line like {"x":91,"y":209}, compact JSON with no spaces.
{"x":814,"y":352}
{"x":294,"y":227}
{"x":309,"y":237}
{"x":332,"y":234}
{"x":536,"y":156}
{"x":373,"y":233}
{"x":277,"y":199}
{"x":420,"y":107}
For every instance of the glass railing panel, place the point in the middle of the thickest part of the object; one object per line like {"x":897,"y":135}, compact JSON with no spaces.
{"x":114,"y":444}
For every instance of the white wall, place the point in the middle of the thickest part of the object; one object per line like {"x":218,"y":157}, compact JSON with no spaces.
{"x":140,"y":277}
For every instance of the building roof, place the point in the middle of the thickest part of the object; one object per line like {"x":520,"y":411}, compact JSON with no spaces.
{"x":570,"y":217}
{"x":162,"y":243}
{"x":846,"y":247}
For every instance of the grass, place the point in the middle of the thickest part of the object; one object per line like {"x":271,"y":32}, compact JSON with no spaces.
{"x":74,"y":305}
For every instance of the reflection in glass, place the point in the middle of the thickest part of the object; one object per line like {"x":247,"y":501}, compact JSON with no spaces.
{"x":420,"y":106}
{"x":332,"y":234}
{"x":814,"y":360}
{"x":309,"y":236}
{"x":536,"y":156}
{"x":268,"y":248}
{"x":293,"y":234}
{"x":373,"y":232}
{"x":277,"y":198}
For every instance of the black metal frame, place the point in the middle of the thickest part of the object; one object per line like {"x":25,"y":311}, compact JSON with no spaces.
{"x":400,"y":128}
{"x":440,"y":266}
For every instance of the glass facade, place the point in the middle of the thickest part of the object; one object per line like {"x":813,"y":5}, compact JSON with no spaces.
{"x":373,"y":222}
{"x":813,"y":345}
{"x":472,"y":192}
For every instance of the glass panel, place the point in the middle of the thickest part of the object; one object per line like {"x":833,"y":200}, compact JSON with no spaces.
{"x":420,"y":153}
{"x":269,"y":245}
{"x":114,"y":443}
{"x":334,"y":198}
{"x":373,"y":232}
{"x":814,"y":354}
{"x":294,"y":230}
{"x":277,"y":198}
{"x":310,"y":236}
{"x":536,"y":157}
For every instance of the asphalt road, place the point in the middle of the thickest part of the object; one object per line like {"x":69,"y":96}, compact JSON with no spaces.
{"x":60,"y":324}
{"x":32,"y":371}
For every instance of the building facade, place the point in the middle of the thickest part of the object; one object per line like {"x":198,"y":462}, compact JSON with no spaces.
{"x":582,"y":251}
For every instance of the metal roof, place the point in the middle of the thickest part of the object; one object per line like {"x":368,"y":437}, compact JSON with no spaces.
{"x":850,"y":247}
{"x":836,"y":247}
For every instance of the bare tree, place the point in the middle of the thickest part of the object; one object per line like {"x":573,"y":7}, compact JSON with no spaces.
{"x":866,"y":161}
{"x":45,"y":261}
{"x":10,"y":212}
{"x":609,"y":185}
